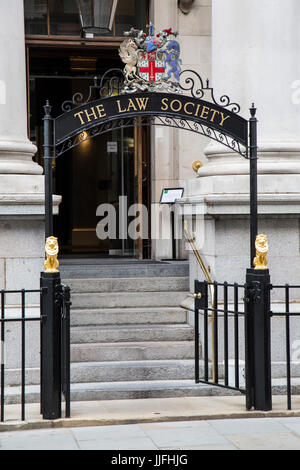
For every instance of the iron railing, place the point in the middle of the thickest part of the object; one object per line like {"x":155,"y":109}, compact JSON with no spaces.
{"x":62,"y":303}
{"x":223,"y":306}
{"x":65,"y":347}
{"x":261,"y":302}
{"x":283,"y":292}
{"x":22,"y":320}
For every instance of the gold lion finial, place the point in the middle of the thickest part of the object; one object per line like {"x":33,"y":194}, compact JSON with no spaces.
{"x":196,"y":165}
{"x":261,"y":246}
{"x":51,"y":248}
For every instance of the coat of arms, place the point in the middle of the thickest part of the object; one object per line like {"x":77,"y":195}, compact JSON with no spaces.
{"x":152,"y":62}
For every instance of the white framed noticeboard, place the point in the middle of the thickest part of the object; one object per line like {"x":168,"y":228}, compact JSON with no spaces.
{"x":169,"y":195}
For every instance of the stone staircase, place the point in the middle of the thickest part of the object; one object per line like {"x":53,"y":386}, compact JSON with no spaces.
{"x":130,"y":337}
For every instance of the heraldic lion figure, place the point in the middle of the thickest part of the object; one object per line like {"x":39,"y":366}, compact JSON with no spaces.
{"x":261,"y":246}
{"x":51,"y":264}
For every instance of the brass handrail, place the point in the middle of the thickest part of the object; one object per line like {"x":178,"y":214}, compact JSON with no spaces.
{"x":209,"y":279}
{"x":201,"y":262}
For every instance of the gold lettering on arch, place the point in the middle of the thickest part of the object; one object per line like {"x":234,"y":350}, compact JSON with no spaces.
{"x":179,"y":107}
{"x":186,"y":105}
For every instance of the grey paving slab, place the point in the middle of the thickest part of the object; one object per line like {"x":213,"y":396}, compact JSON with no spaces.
{"x":130,"y":437}
{"x":108,"y":432}
{"x":267,"y":441}
{"x":207,"y":447}
{"x":38,"y":440}
{"x":135,"y":443}
{"x":291,"y":424}
{"x":174,"y":437}
{"x":200,"y":425}
{"x":248,"y":426}
{"x":227,"y":434}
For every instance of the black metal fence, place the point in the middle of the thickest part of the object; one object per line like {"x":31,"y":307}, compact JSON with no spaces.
{"x":21,"y":320}
{"x":217,"y":307}
{"x":65,"y":347}
{"x":233,"y":323}
{"x":54,"y":309}
{"x":283,"y":294}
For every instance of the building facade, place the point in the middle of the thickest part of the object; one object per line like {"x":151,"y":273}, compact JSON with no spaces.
{"x":248,"y":50}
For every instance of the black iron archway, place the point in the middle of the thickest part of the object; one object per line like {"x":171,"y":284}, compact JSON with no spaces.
{"x":107,"y":109}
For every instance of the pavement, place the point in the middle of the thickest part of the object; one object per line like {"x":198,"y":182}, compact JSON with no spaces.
{"x":183,"y":423}
{"x":150,"y":410}
{"x":228,"y":434}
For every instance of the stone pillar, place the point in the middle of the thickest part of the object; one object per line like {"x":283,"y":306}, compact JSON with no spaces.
{"x":16,"y":151}
{"x":255,"y":58}
{"x":255,"y":48}
{"x":21,"y":179}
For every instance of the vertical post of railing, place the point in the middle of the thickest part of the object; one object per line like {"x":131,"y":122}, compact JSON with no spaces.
{"x":236,"y":335}
{"x":253,"y":182}
{"x":48,"y":149}
{"x":288,"y":347}
{"x":225,"y":334}
{"x":66,"y":372}
{"x":258,"y":340}
{"x":51,"y":347}
{"x":2,"y":390}
{"x":215,"y":335}
{"x":200,"y":296}
{"x":23,"y":356}
{"x":196,"y":334}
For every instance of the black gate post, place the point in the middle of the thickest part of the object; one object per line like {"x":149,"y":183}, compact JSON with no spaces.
{"x":50,"y":304}
{"x":48,"y":149}
{"x":253,"y":182}
{"x":51,"y":346}
{"x":258,"y":340}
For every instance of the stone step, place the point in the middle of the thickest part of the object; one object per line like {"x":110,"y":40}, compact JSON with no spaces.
{"x":113,"y":371}
{"x":130,"y":333}
{"x":143,"y":284}
{"x":132,"y":351}
{"x":139,"y":389}
{"x":135,"y":316}
{"x":127,"y":299}
{"x":120,"y":391}
{"x":93,"y":268}
{"x":137,"y":370}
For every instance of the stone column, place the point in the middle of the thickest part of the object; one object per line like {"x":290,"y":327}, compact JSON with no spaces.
{"x":255,"y":58}
{"x":255,"y":49}
{"x":21,"y":179}
{"x":16,"y":151}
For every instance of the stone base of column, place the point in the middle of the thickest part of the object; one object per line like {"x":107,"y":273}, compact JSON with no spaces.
{"x":22,"y":232}
{"x":16,"y":158}
{"x":238,"y":184}
{"x":223,"y":234}
{"x":273,"y":158}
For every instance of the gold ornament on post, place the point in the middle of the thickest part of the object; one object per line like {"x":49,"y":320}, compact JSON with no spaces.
{"x":261,"y":246}
{"x":196,"y":165}
{"x":51,"y":248}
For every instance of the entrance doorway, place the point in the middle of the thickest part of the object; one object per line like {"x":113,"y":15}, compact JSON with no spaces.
{"x":98,"y":171}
